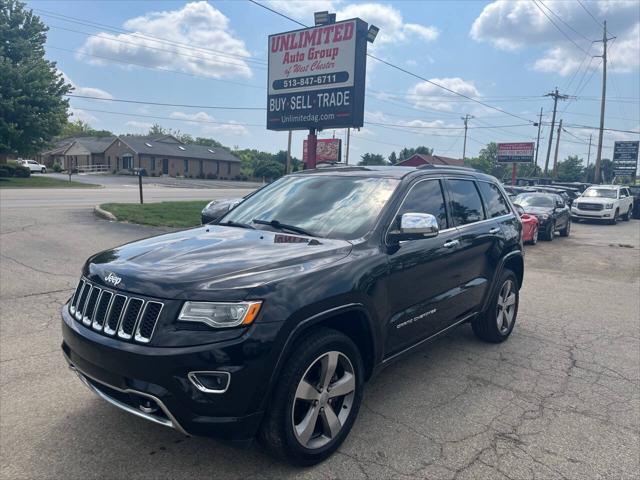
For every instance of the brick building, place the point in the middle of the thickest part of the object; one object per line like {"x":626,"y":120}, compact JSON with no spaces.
{"x":166,"y":155}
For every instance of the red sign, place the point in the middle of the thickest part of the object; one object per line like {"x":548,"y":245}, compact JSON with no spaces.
{"x":327,"y":150}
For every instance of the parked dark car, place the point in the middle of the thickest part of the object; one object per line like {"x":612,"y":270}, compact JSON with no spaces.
{"x":635,"y":192}
{"x":216,"y":209}
{"x":551,"y":210}
{"x":271,"y":320}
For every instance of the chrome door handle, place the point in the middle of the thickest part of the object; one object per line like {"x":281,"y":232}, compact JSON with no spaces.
{"x":451,"y":243}
{"x":494,"y":230}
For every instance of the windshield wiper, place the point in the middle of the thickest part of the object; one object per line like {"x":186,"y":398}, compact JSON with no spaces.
{"x":283,"y":226}
{"x":231,"y":223}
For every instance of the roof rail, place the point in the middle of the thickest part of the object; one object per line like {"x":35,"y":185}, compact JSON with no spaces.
{"x":453,"y":167}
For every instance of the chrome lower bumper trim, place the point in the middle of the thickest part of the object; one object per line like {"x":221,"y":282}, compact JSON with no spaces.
{"x":170,"y":421}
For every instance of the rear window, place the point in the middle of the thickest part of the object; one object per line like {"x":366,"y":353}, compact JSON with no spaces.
{"x":466,"y":205}
{"x":494,"y":203}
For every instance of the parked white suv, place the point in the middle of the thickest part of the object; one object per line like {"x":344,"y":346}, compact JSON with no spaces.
{"x":32,"y":165}
{"x":604,"y":202}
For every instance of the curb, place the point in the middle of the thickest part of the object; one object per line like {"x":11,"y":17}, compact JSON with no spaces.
{"x":99,"y":212}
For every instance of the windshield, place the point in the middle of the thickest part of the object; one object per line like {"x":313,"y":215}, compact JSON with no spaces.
{"x":600,"y":192}
{"x":532,"y":200}
{"x":325,"y":206}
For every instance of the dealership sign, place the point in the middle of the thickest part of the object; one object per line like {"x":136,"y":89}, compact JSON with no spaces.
{"x":625,"y":158}
{"x":327,"y":150}
{"x":516,"y":152}
{"x":316,"y":77}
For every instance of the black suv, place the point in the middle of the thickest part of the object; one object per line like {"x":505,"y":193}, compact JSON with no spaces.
{"x":270,"y":321}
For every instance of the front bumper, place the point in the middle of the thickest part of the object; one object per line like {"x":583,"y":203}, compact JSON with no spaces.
{"x":153,"y":383}
{"x":593,"y":214}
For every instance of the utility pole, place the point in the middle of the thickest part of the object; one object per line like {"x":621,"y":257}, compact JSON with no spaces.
{"x":288,"y":169}
{"x":596,"y":178}
{"x":538,"y":140}
{"x":346,"y":157}
{"x":556,"y":96}
{"x":589,"y":151}
{"x":465,"y":119}
{"x":555,"y":157}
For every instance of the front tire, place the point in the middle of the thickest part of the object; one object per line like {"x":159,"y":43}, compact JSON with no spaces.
{"x":566,"y":230}
{"x":497,"y":323}
{"x":551,"y":232}
{"x":629,"y":214}
{"x":534,"y":237}
{"x":614,"y":220}
{"x":316,"y":399}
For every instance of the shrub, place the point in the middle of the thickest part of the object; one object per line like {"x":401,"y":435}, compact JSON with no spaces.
{"x":13,"y":170}
{"x":57,"y":167}
{"x":22,"y":172}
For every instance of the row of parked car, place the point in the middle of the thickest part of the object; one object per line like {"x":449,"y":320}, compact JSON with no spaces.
{"x":549,"y":209}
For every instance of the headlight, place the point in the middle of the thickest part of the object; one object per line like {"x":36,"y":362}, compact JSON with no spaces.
{"x":608,"y":206}
{"x":219,"y":314}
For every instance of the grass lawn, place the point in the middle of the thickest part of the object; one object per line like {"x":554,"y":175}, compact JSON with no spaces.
{"x":41,"y":182}
{"x":166,"y":214}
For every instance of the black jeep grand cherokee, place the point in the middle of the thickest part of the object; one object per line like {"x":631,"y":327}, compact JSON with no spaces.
{"x":271,"y":321}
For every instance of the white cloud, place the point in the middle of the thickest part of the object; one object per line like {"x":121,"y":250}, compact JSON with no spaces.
{"x":393,"y":28}
{"x":513,"y":26}
{"x":210,"y":47}
{"x":208,"y":124}
{"x":144,"y":126}
{"x":86,"y":91}
{"x":427,"y":95}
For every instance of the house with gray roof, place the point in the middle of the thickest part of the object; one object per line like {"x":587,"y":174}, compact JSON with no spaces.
{"x":77,"y":152}
{"x":166,"y":155}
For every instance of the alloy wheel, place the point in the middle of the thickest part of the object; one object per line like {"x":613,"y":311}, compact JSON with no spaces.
{"x":506,"y":307}
{"x":323,"y":400}
{"x":535,"y":236}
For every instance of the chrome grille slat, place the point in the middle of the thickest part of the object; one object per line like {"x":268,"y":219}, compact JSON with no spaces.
{"x":102,"y":309}
{"x":115,"y":314}
{"x":90,"y":307}
{"x":130,"y":317}
{"x":82,"y":301}
{"x":74,"y":300}
{"x":148,"y":321}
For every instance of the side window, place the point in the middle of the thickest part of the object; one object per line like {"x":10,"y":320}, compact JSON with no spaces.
{"x":426,"y":197}
{"x":494,"y":202}
{"x":466,"y":206}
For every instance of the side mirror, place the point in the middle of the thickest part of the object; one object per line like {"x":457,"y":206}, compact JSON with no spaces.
{"x":519,"y":209}
{"x":415,"y":226}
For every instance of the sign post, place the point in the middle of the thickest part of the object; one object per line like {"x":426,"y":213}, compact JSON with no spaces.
{"x":515,"y":153}
{"x":317,"y":79}
{"x":625,"y":158}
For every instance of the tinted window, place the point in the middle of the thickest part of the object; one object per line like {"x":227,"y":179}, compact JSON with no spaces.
{"x":466,"y":206}
{"x":494,"y":202}
{"x":426,"y":197}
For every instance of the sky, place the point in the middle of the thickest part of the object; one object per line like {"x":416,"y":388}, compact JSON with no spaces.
{"x":506,"y":54}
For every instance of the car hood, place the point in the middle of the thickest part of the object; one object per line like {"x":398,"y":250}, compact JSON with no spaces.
{"x":596,"y":200}
{"x":211,"y":258}
{"x":538,"y":210}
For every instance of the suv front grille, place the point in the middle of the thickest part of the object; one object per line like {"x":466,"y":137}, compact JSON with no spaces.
{"x":109,"y":312}
{"x":590,"y":206}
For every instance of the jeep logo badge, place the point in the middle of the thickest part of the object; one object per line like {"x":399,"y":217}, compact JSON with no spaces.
{"x":113,"y":279}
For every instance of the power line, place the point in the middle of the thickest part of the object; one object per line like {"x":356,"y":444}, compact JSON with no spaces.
{"x":598,"y":22}
{"x":182,"y":105}
{"x":565,"y":23}
{"x":559,"y":29}
{"x":278,"y":13}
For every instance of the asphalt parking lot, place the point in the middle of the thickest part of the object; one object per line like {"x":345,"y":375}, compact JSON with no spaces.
{"x":560,"y":399}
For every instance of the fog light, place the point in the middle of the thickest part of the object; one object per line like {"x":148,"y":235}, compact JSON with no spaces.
{"x":210,"y":382}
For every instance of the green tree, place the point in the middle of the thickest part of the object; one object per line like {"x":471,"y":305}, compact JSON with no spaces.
{"x":408,"y":152}
{"x":269,"y":170}
{"x":393,"y":158}
{"x":570,"y":169}
{"x":82,"y":129}
{"x":487,"y":162}
{"x":32,"y":107}
{"x":157,"y":129}
{"x":372,"y":159}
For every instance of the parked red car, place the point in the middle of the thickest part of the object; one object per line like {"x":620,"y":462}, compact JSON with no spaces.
{"x":529,"y":226}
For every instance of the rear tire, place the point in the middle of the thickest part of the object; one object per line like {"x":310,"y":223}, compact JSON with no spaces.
{"x":302,"y":397}
{"x":44,"y":170}
{"x":497,"y":323}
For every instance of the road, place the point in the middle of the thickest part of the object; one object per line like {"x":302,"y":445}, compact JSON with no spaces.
{"x":559,"y":399}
